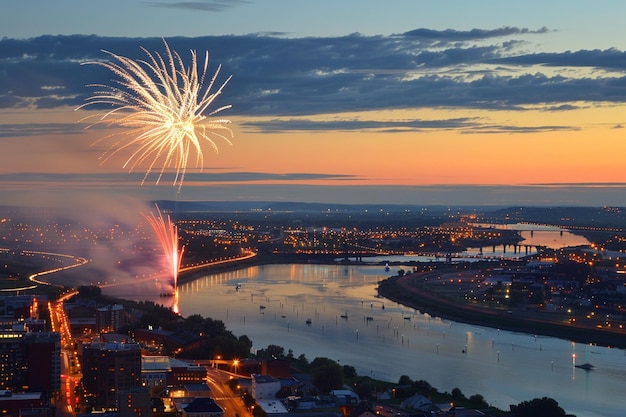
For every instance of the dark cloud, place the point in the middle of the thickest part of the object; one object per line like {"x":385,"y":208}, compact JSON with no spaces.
{"x":470,"y":35}
{"x":518,"y":129}
{"x":279,"y":125}
{"x":36,"y":129}
{"x":605,"y":59}
{"x":279,"y":76}
{"x":209,"y":6}
{"x":69,"y":179}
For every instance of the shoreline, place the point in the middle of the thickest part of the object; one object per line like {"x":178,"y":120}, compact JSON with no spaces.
{"x":400,"y":290}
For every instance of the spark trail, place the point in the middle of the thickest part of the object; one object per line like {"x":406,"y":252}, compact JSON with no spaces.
{"x":167,"y":235}
{"x":165,"y":109}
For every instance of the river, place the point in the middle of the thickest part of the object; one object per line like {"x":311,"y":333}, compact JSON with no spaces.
{"x":350,"y":324}
{"x":273,"y":303}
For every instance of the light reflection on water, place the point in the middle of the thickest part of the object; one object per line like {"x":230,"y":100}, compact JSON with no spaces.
{"x":274,"y":301}
{"x":533,"y":236}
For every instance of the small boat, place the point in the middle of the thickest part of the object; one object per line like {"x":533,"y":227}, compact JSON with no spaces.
{"x":369,"y":318}
{"x":238,"y":286}
{"x":166,"y":294}
{"x":387,"y":266}
{"x":308,"y":321}
{"x":585,"y":366}
{"x":344,"y":316}
{"x":261,"y":307}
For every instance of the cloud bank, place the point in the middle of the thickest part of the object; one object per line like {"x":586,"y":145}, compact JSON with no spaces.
{"x":280,"y":76}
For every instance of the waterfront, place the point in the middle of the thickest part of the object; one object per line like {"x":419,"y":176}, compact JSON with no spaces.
{"x":273,"y":303}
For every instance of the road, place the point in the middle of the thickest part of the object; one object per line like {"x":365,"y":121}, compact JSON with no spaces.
{"x":220,"y":392}
{"x":70,"y":368}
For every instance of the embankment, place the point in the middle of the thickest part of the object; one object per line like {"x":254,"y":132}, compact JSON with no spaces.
{"x":402,"y":290}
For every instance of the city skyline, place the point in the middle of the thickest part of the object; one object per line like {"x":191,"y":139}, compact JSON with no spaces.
{"x":408,"y":103}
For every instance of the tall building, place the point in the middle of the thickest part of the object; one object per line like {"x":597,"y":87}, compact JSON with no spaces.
{"x":135,"y":402}
{"x":110,"y":318}
{"x":42,"y":352}
{"x":108,"y":369}
{"x":13,"y":368}
{"x":30,"y":360}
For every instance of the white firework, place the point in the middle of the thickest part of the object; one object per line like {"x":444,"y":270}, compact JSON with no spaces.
{"x":165,"y":109}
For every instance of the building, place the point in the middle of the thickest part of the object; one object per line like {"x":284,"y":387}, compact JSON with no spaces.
{"x":272,"y":407}
{"x":42,"y":353}
{"x":186,"y":374}
{"x":13,"y":368}
{"x":110,"y":318}
{"x":163,"y":371}
{"x":134,"y":402}
{"x":27,"y":403}
{"x":202,"y":407}
{"x":278,"y":368}
{"x":108,"y":369}
{"x":165,"y":342}
{"x":154,"y":371}
{"x":30,"y":360}
{"x":22,"y":306}
{"x":264,"y":387}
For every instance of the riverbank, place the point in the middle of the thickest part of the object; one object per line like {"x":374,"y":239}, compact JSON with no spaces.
{"x":404,"y":290}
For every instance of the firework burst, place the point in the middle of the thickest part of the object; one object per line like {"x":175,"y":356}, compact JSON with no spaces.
{"x":167,"y":235}
{"x":165,"y":109}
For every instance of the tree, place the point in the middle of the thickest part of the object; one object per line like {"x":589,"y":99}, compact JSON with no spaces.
{"x":327,"y":374}
{"x":405,"y":380}
{"x":538,"y":407}
{"x":274,"y":351}
{"x":457,"y":394}
{"x":364,"y":387}
{"x":478,"y":400}
{"x":302,"y":359}
{"x":89,"y":291}
{"x":349,"y":371}
{"x":423,"y":387}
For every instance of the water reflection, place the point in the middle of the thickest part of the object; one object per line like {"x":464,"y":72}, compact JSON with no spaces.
{"x":333,"y":311}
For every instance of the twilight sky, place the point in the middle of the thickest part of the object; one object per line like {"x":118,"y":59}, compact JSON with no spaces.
{"x":356,"y":101}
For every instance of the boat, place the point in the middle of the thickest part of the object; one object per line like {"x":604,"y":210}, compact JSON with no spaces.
{"x":369,"y":318}
{"x":166,"y":294}
{"x":387,"y":267}
{"x":585,"y":366}
{"x":344,"y":316}
{"x":308,"y":321}
{"x":261,"y":307}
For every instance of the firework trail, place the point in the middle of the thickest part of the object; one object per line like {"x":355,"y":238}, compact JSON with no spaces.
{"x":167,"y":235}
{"x":162,"y":104}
